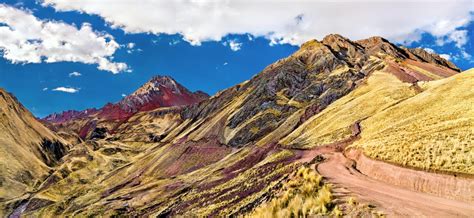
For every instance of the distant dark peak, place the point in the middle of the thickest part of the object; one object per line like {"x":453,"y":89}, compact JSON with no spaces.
{"x":69,"y":114}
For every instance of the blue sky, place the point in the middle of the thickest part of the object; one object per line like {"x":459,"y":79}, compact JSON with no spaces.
{"x":228,"y":52}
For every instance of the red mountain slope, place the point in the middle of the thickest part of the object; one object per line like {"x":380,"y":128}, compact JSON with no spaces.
{"x":160,"y":91}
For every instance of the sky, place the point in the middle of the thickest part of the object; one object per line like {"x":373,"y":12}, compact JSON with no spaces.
{"x":57,"y":55}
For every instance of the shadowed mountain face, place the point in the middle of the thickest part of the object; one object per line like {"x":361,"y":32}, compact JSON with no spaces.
{"x":226,"y":154}
{"x":27,"y":151}
{"x":160,"y":91}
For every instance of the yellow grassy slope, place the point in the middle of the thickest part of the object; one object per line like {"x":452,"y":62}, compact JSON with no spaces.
{"x":381,"y":91}
{"x":20,"y":136}
{"x":432,"y":130}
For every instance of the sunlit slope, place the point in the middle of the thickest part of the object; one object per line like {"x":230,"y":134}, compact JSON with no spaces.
{"x":381,"y":91}
{"x":433,"y":130}
{"x":26,"y":148}
{"x":428,"y":125}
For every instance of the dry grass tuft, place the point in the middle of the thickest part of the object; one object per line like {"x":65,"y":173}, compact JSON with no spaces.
{"x":303,"y":195}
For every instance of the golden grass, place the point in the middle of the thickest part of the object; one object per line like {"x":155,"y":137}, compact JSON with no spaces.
{"x":433,"y":130}
{"x":333,"y":124}
{"x":303,"y":195}
{"x":21,"y":161}
{"x":141,"y":125}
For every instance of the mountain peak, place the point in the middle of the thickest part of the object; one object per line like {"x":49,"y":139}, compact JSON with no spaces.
{"x":161,"y":78}
{"x":375,"y":40}
{"x":154,"y":84}
{"x":378,"y":45}
{"x":159,"y":91}
{"x":333,"y":38}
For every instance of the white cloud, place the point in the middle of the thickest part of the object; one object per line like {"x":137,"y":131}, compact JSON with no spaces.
{"x":465,"y":55}
{"x":45,"y":89}
{"x":115,"y":68}
{"x":281,"y":21}
{"x":75,"y":73}
{"x":174,"y":42}
{"x":131,"y":48}
{"x":432,"y":51}
{"x":124,"y":95}
{"x":233,"y":44}
{"x":225,"y":63}
{"x":429,"y":50}
{"x":66,"y":89}
{"x":445,"y":56}
{"x":27,"y":39}
{"x":249,"y":37}
{"x":459,"y":37}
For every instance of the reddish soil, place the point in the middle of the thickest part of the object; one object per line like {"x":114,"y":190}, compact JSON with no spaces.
{"x":438,"y":70}
{"x":405,"y":74}
{"x":197,"y":155}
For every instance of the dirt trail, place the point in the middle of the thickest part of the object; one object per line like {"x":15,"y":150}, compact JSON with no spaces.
{"x":392,"y":200}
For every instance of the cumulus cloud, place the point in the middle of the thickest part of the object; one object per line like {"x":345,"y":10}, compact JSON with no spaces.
{"x":465,"y":55}
{"x":282,"y":21}
{"x":27,"y":39}
{"x":429,"y":50}
{"x":445,"y":56}
{"x":66,"y":89}
{"x":75,"y":73}
{"x":459,"y":37}
{"x":233,"y":44}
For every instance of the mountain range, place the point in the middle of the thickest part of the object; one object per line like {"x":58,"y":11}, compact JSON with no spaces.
{"x":340,"y":127}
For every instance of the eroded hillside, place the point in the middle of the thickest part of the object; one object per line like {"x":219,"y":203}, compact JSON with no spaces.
{"x":228,"y":154}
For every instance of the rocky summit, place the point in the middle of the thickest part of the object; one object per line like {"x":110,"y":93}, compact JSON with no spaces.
{"x":159,"y":92}
{"x":340,"y":127}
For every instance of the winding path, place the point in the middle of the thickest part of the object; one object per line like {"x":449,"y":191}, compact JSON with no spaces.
{"x":392,"y":200}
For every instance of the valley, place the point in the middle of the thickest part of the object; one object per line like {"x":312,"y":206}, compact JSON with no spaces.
{"x":339,"y":128}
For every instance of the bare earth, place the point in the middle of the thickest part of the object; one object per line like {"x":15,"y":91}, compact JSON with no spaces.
{"x":391,"y":199}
